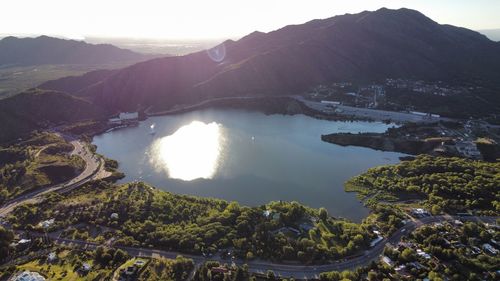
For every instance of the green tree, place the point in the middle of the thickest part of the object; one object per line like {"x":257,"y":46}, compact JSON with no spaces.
{"x":6,"y":237}
{"x":323,"y":214}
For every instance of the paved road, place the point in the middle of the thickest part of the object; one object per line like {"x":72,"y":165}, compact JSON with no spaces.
{"x":373,"y":114}
{"x":93,"y":170}
{"x":285,"y":270}
{"x":189,"y":107}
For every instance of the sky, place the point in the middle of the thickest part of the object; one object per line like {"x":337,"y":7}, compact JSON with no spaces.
{"x":211,"y":19}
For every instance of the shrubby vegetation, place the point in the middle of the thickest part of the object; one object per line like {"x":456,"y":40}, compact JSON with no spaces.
{"x":39,"y":161}
{"x":143,"y":216}
{"x":6,"y":237}
{"x":446,"y":184}
{"x":103,"y":265}
{"x":176,"y":269}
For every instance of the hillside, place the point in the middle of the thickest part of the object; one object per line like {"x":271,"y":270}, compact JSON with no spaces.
{"x":48,"y":50}
{"x":36,"y":109}
{"x":69,"y":83}
{"x":369,"y":46}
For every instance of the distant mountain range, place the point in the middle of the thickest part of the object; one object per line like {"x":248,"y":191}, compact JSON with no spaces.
{"x":364,"y":47}
{"x":369,"y":46}
{"x":493,"y":34}
{"x":48,"y":50}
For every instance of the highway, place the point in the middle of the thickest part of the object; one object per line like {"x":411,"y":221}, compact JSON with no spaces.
{"x":285,"y":270}
{"x":94,"y":169}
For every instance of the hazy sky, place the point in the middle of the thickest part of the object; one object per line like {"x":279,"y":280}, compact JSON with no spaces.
{"x":212,"y":18}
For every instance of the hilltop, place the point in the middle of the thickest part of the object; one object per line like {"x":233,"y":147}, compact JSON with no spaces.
{"x":37,"y":109}
{"x":369,"y":46}
{"x":49,"y":50}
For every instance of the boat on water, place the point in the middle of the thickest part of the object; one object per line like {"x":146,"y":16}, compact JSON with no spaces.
{"x":152,"y":127}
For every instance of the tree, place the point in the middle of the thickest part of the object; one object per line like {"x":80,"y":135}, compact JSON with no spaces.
{"x":6,"y":237}
{"x":323,"y":214}
{"x":270,"y":275}
{"x":436,"y":210}
{"x":407,"y":254}
{"x":120,"y":256}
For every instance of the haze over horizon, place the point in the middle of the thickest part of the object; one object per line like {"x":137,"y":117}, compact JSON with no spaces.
{"x":193,"y":19}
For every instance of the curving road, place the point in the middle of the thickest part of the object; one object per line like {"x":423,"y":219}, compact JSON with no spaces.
{"x":93,"y":170}
{"x":284,"y":270}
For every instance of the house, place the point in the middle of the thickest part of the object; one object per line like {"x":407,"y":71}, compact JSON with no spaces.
{"x":86,"y":267}
{"x":271,"y":214}
{"x":125,"y":118}
{"x":28,"y":276}
{"x":376,"y":241}
{"x":114,"y":121}
{"x":416,"y":265}
{"x":490,"y":249}
{"x":423,"y":254}
{"x":305,"y":226}
{"x":52,"y":257}
{"x":495,"y":242}
{"x":219,"y":269}
{"x":468,"y":149}
{"x":47,"y":223}
{"x":387,"y":261}
{"x":139,"y":263}
{"x":23,"y":241}
{"x":130,"y":270}
{"x":419,"y":212}
{"x":330,"y":102}
{"x":129,"y":116}
{"x":475,"y":250}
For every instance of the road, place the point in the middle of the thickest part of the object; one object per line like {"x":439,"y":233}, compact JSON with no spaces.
{"x":94,"y":169}
{"x":360,"y":112}
{"x":189,"y":107}
{"x":285,"y":270}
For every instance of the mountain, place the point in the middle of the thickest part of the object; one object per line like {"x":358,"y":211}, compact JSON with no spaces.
{"x":369,"y":46}
{"x":36,"y":109}
{"x":69,"y":83}
{"x":48,"y":50}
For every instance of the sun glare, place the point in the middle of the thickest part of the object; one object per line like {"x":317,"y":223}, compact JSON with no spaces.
{"x":192,"y":152}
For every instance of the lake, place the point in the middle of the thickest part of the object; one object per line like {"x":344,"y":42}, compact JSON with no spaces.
{"x":247,"y":157}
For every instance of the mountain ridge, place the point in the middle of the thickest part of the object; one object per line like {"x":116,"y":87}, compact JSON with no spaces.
{"x":16,"y":51}
{"x":368,"y":46}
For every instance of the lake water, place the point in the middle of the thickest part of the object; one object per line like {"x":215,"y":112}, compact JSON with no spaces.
{"x":247,"y":157}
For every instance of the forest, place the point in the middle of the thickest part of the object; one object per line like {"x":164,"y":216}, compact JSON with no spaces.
{"x":447,"y":184}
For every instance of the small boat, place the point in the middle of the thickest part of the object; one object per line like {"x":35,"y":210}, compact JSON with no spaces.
{"x":152,"y":127}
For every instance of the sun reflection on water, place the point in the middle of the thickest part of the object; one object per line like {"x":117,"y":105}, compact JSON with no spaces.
{"x":192,"y":152}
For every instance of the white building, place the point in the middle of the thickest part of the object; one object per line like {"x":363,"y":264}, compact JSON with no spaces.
{"x":387,"y":261}
{"x":468,"y":149}
{"x":125,"y":118}
{"x":52,"y":257}
{"x":330,"y":102}
{"x":490,"y":249}
{"x":129,"y":116}
{"x":29,"y":276}
{"x":47,"y":223}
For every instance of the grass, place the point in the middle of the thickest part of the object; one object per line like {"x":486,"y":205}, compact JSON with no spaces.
{"x":37,"y":162}
{"x":131,"y":262}
{"x":14,"y":80}
{"x":64,"y":267}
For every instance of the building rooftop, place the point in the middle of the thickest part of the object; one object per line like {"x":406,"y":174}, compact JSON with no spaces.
{"x":29,"y":276}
